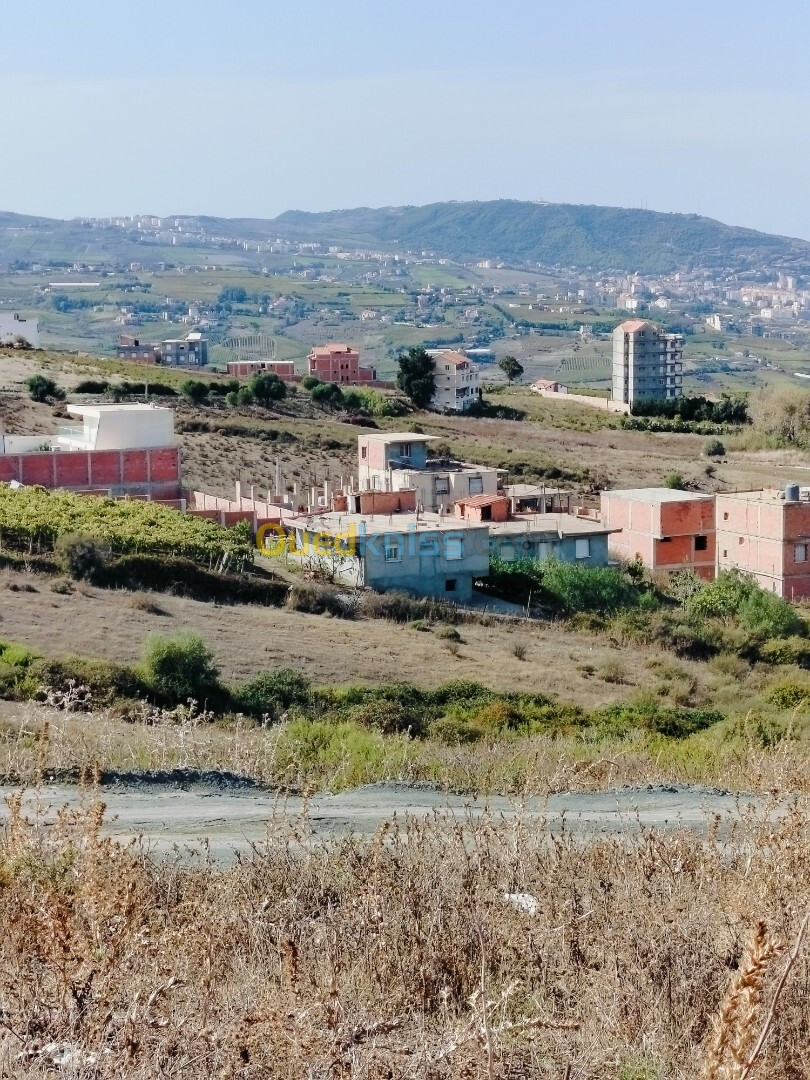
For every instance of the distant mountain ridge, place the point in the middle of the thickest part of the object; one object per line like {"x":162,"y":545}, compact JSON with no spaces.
{"x":602,"y":238}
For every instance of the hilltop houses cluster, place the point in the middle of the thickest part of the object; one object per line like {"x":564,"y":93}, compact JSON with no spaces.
{"x":411,"y":518}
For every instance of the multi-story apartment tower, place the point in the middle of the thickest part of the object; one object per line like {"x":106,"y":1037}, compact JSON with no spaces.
{"x":646,"y":363}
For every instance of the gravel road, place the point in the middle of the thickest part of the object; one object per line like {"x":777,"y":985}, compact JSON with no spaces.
{"x":172,"y":815}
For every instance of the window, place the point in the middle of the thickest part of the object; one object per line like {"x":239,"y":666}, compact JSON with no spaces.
{"x":450,"y":584}
{"x":800,"y":552}
{"x":405,"y":449}
{"x":453,"y":548}
{"x":442,"y":485}
{"x":392,"y":549}
{"x":701,"y":543}
{"x":363,"y":452}
{"x":476,"y":485}
{"x":583,"y":548}
{"x":666,"y":539}
{"x":725,"y":515}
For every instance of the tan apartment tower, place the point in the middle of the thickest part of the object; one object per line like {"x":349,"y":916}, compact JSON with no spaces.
{"x":646,"y":362}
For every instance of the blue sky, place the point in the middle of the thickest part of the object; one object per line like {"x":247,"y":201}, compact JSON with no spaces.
{"x":251,"y":108}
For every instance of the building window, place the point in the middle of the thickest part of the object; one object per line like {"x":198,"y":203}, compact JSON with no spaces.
{"x":800,"y":552}
{"x":363,"y":452}
{"x":701,"y":543}
{"x":442,"y":485}
{"x":583,"y":549}
{"x":450,"y":584}
{"x":666,"y":539}
{"x":405,"y":449}
{"x":476,"y":485}
{"x":453,"y":548}
{"x":392,"y":549}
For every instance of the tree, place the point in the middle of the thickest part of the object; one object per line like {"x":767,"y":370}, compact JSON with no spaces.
{"x":232,"y":398}
{"x":266,"y":386}
{"x":310,"y":381}
{"x":511,"y":367}
{"x":41,"y":389}
{"x":784,"y":414}
{"x":245,"y":396}
{"x":715,"y":448}
{"x":327,"y":395}
{"x":194,"y":390}
{"x":416,"y":375}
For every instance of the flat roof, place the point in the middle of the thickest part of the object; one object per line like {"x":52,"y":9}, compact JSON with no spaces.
{"x":561,"y":524}
{"x":657,"y":495}
{"x":767,"y":495}
{"x":531,"y":491}
{"x":100,"y":410}
{"x":336,"y":521}
{"x":399,"y":436}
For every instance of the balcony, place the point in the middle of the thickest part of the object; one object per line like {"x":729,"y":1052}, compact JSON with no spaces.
{"x":72,"y":437}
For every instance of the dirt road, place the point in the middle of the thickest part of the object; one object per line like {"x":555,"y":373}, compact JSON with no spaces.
{"x":228,"y":819}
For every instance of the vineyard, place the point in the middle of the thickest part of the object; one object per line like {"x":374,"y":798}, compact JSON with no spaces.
{"x":33,"y":519}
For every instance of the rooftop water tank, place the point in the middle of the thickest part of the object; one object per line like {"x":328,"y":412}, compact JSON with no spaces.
{"x":792,"y":493}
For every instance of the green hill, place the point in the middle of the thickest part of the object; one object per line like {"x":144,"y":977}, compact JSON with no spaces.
{"x":600,"y":237}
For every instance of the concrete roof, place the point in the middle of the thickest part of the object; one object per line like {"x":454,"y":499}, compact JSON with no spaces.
{"x":532,"y":491}
{"x":398,"y":436}
{"x":559,"y":524}
{"x":335,"y":521}
{"x":656,"y":495}
{"x":104,"y":409}
{"x":766,"y":495}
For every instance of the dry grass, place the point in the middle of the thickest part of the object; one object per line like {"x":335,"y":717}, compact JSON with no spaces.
{"x":248,"y":639}
{"x":428,"y":951}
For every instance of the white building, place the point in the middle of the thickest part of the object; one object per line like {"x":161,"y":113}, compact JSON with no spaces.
{"x":398,"y":461}
{"x":118,"y":427}
{"x":15,"y":326}
{"x":458,"y":382}
{"x":646,"y":362}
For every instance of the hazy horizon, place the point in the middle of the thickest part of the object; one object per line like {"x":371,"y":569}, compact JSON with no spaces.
{"x":192,"y":109}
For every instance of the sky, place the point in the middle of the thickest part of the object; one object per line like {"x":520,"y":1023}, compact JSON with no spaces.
{"x":252,"y":107}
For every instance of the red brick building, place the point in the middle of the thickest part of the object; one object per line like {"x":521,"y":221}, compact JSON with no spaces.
{"x":339,"y":363}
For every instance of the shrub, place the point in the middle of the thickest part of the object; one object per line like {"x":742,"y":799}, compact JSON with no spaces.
{"x":184,"y":577}
{"x":309,"y":382}
{"x":41,"y":389}
{"x":613,"y":672}
{"x":179,"y":668}
{"x":403,"y":607}
{"x":714,"y":448}
{"x":789,"y":696}
{"x":92,"y":386}
{"x":318,"y":600}
{"x":83,"y":557}
{"x":583,"y":588}
{"x":232,"y":398}
{"x":245,"y":396}
{"x":105,"y":680}
{"x":275,"y":692}
{"x":519,"y":651}
{"x":675,"y":481}
{"x":194,"y":390}
{"x":448,"y":633}
{"x":389,"y":717}
{"x":731,"y":596}
{"x":788,"y":650}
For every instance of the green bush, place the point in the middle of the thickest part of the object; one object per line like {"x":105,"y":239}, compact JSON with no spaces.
{"x":275,"y":692}
{"x":180,"y":668}
{"x":82,"y":557}
{"x":675,"y":481}
{"x":245,"y":397}
{"x":92,"y":386}
{"x":583,"y":588}
{"x":309,"y":382}
{"x":734,"y":597}
{"x":194,"y":390}
{"x":232,"y":398}
{"x":105,"y":680}
{"x":17,"y":680}
{"x":789,"y":696}
{"x":41,"y":389}
{"x":788,"y":650}
{"x":714,"y":448}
